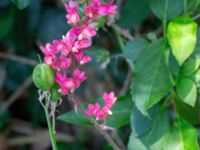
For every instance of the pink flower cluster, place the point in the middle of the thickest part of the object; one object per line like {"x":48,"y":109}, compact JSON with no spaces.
{"x":66,"y":56}
{"x":101,"y":113}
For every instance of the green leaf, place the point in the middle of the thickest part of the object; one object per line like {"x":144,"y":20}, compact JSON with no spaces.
{"x":166,"y":8}
{"x":187,"y":91}
{"x":196,"y":76}
{"x":121,"y":113}
{"x":197,"y":48}
{"x":141,"y":124}
{"x":130,"y":17}
{"x":151,"y":139}
{"x":151,"y":80}
{"x":189,"y":67}
{"x":187,"y":112}
{"x":181,"y":137}
{"x":133,"y":48}
{"x":181,"y":34}
{"x":21,"y":4}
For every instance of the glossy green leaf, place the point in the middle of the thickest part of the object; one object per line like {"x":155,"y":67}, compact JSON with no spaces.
{"x":181,"y":33}
{"x":166,"y":8}
{"x":189,"y":67}
{"x":187,"y":91}
{"x":121,"y":114}
{"x":21,"y":4}
{"x":196,"y":76}
{"x":130,"y":17}
{"x":133,"y":48}
{"x":151,"y":80}
{"x":151,"y":140}
{"x":187,"y":112}
{"x":181,"y":137}
{"x":141,"y":124}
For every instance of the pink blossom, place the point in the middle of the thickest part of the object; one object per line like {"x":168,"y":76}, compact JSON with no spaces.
{"x":100,"y":114}
{"x":73,"y":17}
{"x":71,"y":6}
{"x":64,"y":62}
{"x":86,"y":32}
{"x":50,"y":59}
{"x":78,"y":77}
{"x":66,"y":84}
{"x":107,"y":9}
{"x":109,"y":99}
{"x":82,"y":44}
{"x":92,"y":9}
{"x":85,"y":59}
{"x":93,"y":109}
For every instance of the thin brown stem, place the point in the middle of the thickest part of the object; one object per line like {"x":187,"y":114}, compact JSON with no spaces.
{"x":125,"y":33}
{"x":96,"y":124}
{"x":16,"y":94}
{"x":18,"y":59}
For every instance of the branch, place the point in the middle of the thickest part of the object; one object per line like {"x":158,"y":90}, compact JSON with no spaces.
{"x":38,"y":138}
{"x":126,"y":83}
{"x":16,"y":94}
{"x":123,"y":32}
{"x":18,"y":59}
{"x":96,"y":124}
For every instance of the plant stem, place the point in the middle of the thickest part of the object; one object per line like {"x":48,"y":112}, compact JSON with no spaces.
{"x":196,"y":17}
{"x":51,"y":131}
{"x":97,"y":125}
{"x":165,"y":17}
{"x":185,"y":6}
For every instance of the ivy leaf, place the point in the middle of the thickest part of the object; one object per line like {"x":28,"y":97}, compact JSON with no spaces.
{"x":166,"y":8}
{"x":151,"y":80}
{"x":187,"y":91}
{"x":21,"y":4}
{"x":121,"y":112}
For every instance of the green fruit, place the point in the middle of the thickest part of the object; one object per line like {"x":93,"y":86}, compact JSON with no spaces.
{"x":55,"y":95}
{"x":43,"y":77}
{"x":181,"y":34}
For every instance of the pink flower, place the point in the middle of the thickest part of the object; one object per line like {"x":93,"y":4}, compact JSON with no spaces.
{"x":86,"y":32}
{"x":50,"y":59}
{"x":92,"y":9}
{"x":82,"y":44}
{"x":73,"y":17}
{"x":85,"y":59}
{"x":78,"y":77}
{"x":93,"y":109}
{"x":71,"y":6}
{"x":96,"y":111}
{"x":107,"y":9}
{"x":64,"y":62}
{"x":109,"y":99}
{"x":66,"y":84}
